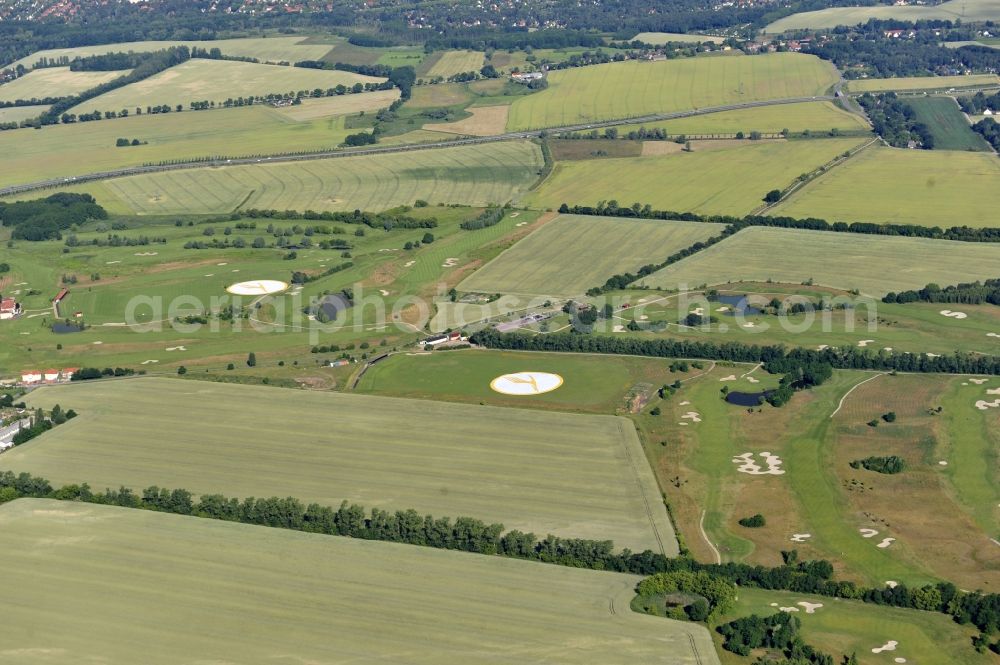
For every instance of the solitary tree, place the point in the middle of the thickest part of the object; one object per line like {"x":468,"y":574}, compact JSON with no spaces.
{"x":772,"y":196}
{"x":252,"y":359}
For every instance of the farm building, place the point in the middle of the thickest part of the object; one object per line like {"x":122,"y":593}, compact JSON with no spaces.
{"x":51,"y":375}
{"x":434,"y":341}
{"x":9,"y":308}
{"x":31,"y":376}
{"x":525,"y":77}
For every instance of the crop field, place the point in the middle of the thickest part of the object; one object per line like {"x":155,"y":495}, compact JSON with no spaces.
{"x":449,"y":63}
{"x":739,"y":177}
{"x":657,"y":38}
{"x":929,"y":188}
{"x":947,"y":123}
{"x":218,"y":80}
{"x":796,"y":118}
{"x":842,"y":627}
{"x":61,"y":151}
{"x":629,"y":89}
{"x":591,"y":384}
{"x":971,"y":11}
{"x":573,"y":253}
{"x":19,"y":113}
{"x":500,"y":465}
{"x":269,"y":49}
{"x":473,"y":175}
{"x":484,"y":121}
{"x":941,"y":83}
{"x":53,"y":82}
{"x":872,"y":264}
{"x":367,"y":601}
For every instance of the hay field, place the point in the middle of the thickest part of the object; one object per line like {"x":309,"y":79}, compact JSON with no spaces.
{"x":947,"y":124}
{"x":657,"y":38}
{"x":873,"y":264}
{"x":120,"y":586}
{"x":843,"y":627}
{"x":502,"y":465}
{"x":19,"y":113}
{"x":569,"y":255}
{"x":633,"y":88}
{"x":218,"y":80}
{"x":930,"y":188}
{"x":814,"y":116}
{"x":61,"y":151}
{"x":54,"y":82}
{"x":731,"y":181}
{"x":923,"y":83}
{"x":449,"y":63}
{"x":971,"y":11}
{"x":269,"y":49}
{"x":484,"y":121}
{"x":472,"y":175}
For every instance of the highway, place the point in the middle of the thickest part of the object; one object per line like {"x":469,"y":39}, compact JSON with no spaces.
{"x":332,"y":154}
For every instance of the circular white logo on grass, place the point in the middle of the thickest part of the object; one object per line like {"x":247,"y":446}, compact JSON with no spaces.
{"x":260,"y":287}
{"x":526,"y":383}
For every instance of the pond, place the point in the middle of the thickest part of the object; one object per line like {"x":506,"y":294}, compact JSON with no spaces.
{"x":63,"y":328}
{"x":738,"y":304}
{"x":747,"y":399}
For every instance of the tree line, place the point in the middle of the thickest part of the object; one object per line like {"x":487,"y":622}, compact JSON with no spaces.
{"x":837,"y":358}
{"x":46,"y":218}
{"x":969,"y":293}
{"x":489,"y":217}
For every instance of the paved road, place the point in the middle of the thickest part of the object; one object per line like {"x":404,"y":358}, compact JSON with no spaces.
{"x":330,"y":154}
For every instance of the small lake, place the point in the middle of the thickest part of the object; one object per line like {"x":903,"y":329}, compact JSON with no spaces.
{"x":737,"y":304}
{"x":64,"y":328}
{"x":747,"y":399}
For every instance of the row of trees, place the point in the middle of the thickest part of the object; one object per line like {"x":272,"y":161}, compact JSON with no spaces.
{"x":968,"y":293}
{"x":376,"y":220}
{"x":836,"y":358}
{"x":489,"y":217}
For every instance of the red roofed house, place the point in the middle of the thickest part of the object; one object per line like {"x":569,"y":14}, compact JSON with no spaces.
{"x":31,"y":376}
{"x":51,"y":374}
{"x":9,"y":308}
{"x":68,"y":372}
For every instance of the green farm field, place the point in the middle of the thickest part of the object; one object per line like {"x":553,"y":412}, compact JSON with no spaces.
{"x":502,"y":465}
{"x":729,"y":181}
{"x":657,"y":38}
{"x":845,"y":627}
{"x":947,"y":123}
{"x":53,"y":82}
{"x":449,"y":63}
{"x":628,"y":89}
{"x":591,"y":383}
{"x":573,"y":253}
{"x":310,"y":596}
{"x":872,"y":264}
{"x":928,"y":188}
{"x":473,"y":175}
{"x":61,"y":151}
{"x":269,"y":49}
{"x":813,"y":116}
{"x":971,"y":11}
{"x":941,"y":83}
{"x":218,"y":80}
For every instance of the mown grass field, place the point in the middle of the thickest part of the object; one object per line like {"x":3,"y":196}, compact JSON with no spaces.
{"x":628,"y":89}
{"x":502,"y":465}
{"x":664,"y":37}
{"x":53,"y":82}
{"x":732,"y":181}
{"x":61,"y":151}
{"x":923,"y":83}
{"x":265,"y":49}
{"x":930,"y":188}
{"x":183,"y":589}
{"x":573,"y":253}
{"x":591,"y":383}
{"x":217,"y":81}
{"x":450,"y":63}
{"x":947,"y":123}
{"x":844,"y":627}
{"x":475,"y":175}
{"x":972,"y":11}
{"x":813,"y":116}
{"x":872,"y":264}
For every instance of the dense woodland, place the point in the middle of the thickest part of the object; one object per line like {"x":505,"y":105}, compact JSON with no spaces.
{"x":894,"y":120}
{"x":46,"y":219}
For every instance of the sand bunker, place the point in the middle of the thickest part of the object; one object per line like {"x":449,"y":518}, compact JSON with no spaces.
{"x":788,"y":609}
{"x":176,"y":348}
{"x":521,"y":224}
{"x":749,"y":466}
{"x":868,"y":533}
{"x":943,"y":463}
{"x":978,"y":382}
{"x":865,"y":342}
{"x":892,"y":584}
{"x":933,"y":355}
{"x":887,"y":348}
{"x":698,"y":311}
{"x":643,"y":317}
{"x":810,"y":608}
{"x":982,"y":405}
{"x":899,"y":660}
{"x":408,"y":264}
{"x":109,"y":263}
{"x":822,"y":347}
{"x":993,"y":334}
{"x":98,"y":343}
{"x":618,"y":329}
{"x":145,"y":253}
{"x":953,"y":315}
{"x":222,"y":264}
{"x":449,"y":263}
{"x":885,"y":543}
{"x":888,"y":646}
{"x":693,"y":416}
{"x":383,"y":292}
{"x":750,"y":379}
{"x":211,"y":274}
{"x":684,"y":403}
{"x":731,"y":377}
{"x":993,"y":391}
{"x":526,"y":383}
{"x":800,"y":537}
{"x":148,"y":362}
{"x":261,"y":287}
{"x":724,"y":308}
{"x":749,"y":324}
